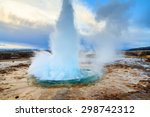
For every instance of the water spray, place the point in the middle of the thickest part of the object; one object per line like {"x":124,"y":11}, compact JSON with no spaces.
{"x":62,"y":66}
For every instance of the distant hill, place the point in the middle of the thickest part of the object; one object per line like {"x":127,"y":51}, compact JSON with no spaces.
{"x":141,"y":48}
{"x":12,"y":50}
{"x":18,"y":53}
{"x":143,"y":52}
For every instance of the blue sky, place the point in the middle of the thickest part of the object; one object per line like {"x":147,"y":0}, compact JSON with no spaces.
{"x":29,"y":23}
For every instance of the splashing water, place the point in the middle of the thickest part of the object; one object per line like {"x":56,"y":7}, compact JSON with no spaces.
{"x":64,"y":43}
{"x":63,"y":64}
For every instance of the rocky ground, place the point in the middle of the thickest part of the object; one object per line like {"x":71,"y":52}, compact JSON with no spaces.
{"x":126,"y":78}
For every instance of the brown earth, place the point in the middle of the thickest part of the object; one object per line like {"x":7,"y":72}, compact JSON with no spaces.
{"x":120,"y":81}
{"x":7,"y":55}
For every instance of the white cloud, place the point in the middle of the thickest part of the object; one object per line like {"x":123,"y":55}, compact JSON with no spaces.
{"x":14,"y":46}
{"x":22,"y":13}
{"x":85,"y":19}
{"x":35,"y":13}
{"x":41,"y":13}
{"x":137,"y":37}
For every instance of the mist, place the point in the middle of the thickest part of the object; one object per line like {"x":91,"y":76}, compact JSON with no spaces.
{"x":108,"y":40}
{"x":64,"y":61}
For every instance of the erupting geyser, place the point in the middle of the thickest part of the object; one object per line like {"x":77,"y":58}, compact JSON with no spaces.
{"x":65,"y":43}
{"x":63,"y":64}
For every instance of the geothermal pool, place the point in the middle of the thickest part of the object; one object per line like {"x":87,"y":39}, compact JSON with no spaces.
{"x":85,"y":79}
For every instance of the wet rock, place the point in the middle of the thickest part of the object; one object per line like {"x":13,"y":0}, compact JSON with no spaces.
{"x":16,"y":97}
{"x":1,"y":89}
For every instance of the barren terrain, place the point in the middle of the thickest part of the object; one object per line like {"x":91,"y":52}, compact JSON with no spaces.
{"x":126,"y":78}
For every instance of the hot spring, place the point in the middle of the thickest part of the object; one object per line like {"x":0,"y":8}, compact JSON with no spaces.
{"x":62,"y":65}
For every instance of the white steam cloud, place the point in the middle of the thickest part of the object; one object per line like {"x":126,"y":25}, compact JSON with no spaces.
{"x":107,"y":40}
{"x":63,"y":64}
